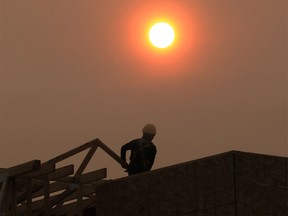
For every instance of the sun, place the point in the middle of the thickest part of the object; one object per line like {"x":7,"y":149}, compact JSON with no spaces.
{"x":161,"y":35}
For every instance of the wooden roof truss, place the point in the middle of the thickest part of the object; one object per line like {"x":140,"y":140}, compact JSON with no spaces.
{"x":36,"y":188}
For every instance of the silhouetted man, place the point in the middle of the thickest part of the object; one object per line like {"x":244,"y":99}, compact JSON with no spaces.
{"x":143,"y":151}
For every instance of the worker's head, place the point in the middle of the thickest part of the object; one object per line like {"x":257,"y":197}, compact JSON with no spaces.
{"x":149,"y":131}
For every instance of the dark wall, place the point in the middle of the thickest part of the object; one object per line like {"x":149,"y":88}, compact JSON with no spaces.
{"x":261,"y":184}
{"x":229,"y":184}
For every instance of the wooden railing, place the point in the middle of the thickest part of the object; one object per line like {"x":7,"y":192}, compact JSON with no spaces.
{"x":36,"y":188}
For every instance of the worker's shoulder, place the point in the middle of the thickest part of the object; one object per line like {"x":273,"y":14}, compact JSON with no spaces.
{"x":150,"y":144}
{"x":135,"y":141}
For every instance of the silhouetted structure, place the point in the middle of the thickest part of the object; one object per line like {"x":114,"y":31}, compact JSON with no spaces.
{"x":33,"y":188}
{"x":229,"y":184}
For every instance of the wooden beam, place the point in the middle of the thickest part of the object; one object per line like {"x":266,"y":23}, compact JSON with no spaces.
{"x":22,"y":196}
{"x":87,"y":191}
{"x":79,"y":197}
{"x":28,"y":204}
{"x":112,"y":154}
{"x":39,"y":185}
{"x":87,"y":177}
{"x":23,"y":179}
{"x":22,"y":169}
{"x":64,"y":196}
{"x":54,"y":187}
{"x":47,"y":210}
{"x":73,"y":152}
{"x":57,"y":199}
{"x":86,"y":161}
{"x":58,"y":186}
{"x":66,"y":180}
{"x":93,"y":176}
{"x":4,"y":197}
{"x":13,"y":192}
{"x":61,"y":172}
{"x":45,"y":169}
{"x":41,"y":176}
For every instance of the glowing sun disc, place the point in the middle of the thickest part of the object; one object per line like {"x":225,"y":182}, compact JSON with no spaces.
{"x":161,"y":35}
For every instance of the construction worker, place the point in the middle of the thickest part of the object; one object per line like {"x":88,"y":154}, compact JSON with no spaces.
{"x":143,"y":151}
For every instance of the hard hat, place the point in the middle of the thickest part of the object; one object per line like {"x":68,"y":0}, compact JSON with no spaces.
{"x":149,"y":129}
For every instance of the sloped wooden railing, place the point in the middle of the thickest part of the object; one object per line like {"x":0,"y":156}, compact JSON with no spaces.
{"x":33,"y":188}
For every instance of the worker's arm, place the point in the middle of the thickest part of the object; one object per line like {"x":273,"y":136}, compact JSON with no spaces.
{"x":125,"y":148}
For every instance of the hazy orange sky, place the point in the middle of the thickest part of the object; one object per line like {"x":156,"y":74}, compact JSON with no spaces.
{"x":72,"y":71}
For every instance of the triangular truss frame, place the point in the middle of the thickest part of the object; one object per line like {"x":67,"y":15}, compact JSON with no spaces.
{"x":36,"y":188}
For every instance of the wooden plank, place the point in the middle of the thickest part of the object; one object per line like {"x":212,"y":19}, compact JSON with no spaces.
{"x":61,"y":197}
{"x":54,"y":187}
{"x":13,"y":197}
{"x":39,"y":185}
{"x":86,"y":160}
{"x":58,"y":186}
{"x":45,"y":169}
{"x":29,"y":198}
{"x":61,"y":172}
{"x":112,"y":154}
{"x":66,"y":180}
{"x":68,"y":193}
{"x":20,"y":183}
{"x":23,"y":179}
{"x":3,"y":197}
{"x":53,"y":201}
{"x":73,"y":152}
{"x":71,"y":184}
{"x":47,"y":211}
{"x":3,"y":177}
{"x":93,"y":176}
{"x":21,"y":196}
{"x":79,"y":196}
{"x":87,"y":191}
{"x":87,"y":177}
{"x":22,"y":168}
